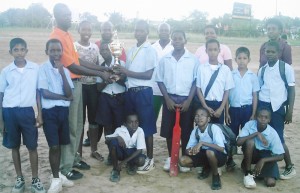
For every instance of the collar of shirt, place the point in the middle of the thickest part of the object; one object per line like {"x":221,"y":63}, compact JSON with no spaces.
{"x":28,"y":65}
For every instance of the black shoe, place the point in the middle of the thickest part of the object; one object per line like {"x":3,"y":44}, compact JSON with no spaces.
{"x":86,"y":142}
{"x":74,"y":175}
{"x":131,"y":169}
{"x":114,"y":176}
{"x":216,"y":182}
{"x":82,"y":165}
{"x":230,"y":165}
{"x":108,"y":161}
{"x":204,"y":174}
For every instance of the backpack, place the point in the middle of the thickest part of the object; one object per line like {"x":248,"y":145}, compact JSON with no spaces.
{"x":230,"y":137}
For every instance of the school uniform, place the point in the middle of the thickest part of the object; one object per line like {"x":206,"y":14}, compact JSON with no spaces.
{"x":138,"y":98}
{"x":222,"y":83}
{"x":178,"y":78}
{"x":55,"y":112}
{"x":133,"y":143}
{"x":274,"y":147}
{"x":273,"y":94}
{"x":111,"y":103}
{"x":19,"y":87}
{"x":197,"y":136}
{"x":240,"y":98}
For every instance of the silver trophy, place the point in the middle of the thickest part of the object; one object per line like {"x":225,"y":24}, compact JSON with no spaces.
{"x":116,"y":47}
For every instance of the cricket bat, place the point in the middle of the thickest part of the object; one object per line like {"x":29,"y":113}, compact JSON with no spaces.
{"x":175,"y":145}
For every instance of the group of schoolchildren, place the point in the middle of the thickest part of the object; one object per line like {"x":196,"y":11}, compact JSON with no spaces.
{"x":206,"y":93}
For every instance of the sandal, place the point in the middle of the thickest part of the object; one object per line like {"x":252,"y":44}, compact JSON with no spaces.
{"x":97,"y":156}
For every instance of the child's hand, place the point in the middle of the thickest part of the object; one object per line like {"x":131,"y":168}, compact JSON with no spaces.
{"x":115,"y":77}
{"x":258,"y":167}
{"x":262,"y":139}
{"x":59,"y":66}
{"x":170,"y":104}
{"x":252,"y":117}
{"x":288,"y":117}
{"x":217,"y":113}
{"x":121,"y":142}
{"x":227,"y":119}
{"x":189,"y":151}
{"x":118,"y":69}
{"x":185,"y":106}
{"x":38,"y":121}
{"x":210,"y":110}
{"x":196,"y":148}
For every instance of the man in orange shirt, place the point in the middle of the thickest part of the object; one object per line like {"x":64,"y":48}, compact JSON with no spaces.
{"x":77,"y":67}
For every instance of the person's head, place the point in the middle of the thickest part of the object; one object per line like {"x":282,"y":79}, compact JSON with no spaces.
{"x":164,"y":31}
{"x":63,"y":16}
{"x":178,"y":39}
{"x":106,"y":31}
{"x":18,"y":48}
{"x":272,"y":51}
{"x":242,"y":57}
{"x":263,"y":117}
{"x":212,"y":49}
{"x":202,"y":117}
{"x":284,"y":37}
{"x":141,"y":31}
{"x":54,"y":49}
{"x":85,"y":30}
{"x":105,"y":51}
{"x":210,"y":32}
{"x":274,"y":28}
{"x":132,"y":121}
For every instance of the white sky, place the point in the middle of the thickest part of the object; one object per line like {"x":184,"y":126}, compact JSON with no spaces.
{"x":163,"y":9}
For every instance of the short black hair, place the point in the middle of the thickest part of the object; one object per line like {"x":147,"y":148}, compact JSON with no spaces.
{"x":82,"y":23}
{"x":274,"y":44}
{"x":276,"y":22}
{"x":13,"y":42}
{"x":131,"y":114}
{"x":143,"y":23}
{"x":52,"y":41}
{"x":210,"y":27}
{"x":264,"y":108}
{"x":212,"y":41}
{"x":57,"y":9}
{"x":203,"y":109}
{"x":180,"y":32}
{"x":242,"y":50}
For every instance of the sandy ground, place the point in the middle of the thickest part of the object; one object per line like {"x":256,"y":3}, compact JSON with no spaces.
{"x":97,"y":178}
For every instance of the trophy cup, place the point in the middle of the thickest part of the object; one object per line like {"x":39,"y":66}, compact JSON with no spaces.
{"x":116,"y":48}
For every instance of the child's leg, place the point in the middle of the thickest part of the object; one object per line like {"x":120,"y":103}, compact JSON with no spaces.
{"x":186,"y":161}
{"x":270,"y":182}
{"x":54,"y":159}
{"x":17,"y":160}
{"x":33,"y":157}
{"x":248,"y":153}
{"x":212,"y":160}
{"x":115,"y":153}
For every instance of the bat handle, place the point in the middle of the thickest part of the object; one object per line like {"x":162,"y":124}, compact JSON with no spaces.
{"x":177,"y":115}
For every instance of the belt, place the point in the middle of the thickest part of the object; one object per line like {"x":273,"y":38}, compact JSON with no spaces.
{"x":242,"y":106}
{"x":137,"y":89}
{"x":113,"y":95}
{"x":75,"y":79}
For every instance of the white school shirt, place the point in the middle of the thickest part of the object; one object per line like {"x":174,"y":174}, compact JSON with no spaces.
{"x":160,"y":53}
{"x":113,"y":88}
{"x":19,"y":86}
{"x":223,"y":82}
{"x":50,"y":79}
{"x":272,"y":88}
{"x":218,"y":137}
{"x":140,"y":59}
{"x":241,"y":94}
{"x":274,"y":144}
{"x":225,"y":54}
{"x":136,"y":141}
{"x":177,"y":76}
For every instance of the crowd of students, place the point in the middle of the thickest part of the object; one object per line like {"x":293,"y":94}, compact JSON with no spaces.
{"x":124,"y":100}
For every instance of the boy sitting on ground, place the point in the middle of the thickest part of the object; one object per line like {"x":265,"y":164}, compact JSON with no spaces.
{"x":126,"y":144}
{"x":204,"y":151}
{"x":261,"y":145}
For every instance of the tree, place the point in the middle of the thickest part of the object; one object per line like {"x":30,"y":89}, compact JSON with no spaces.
{"x":116,"y":19}
{"x":197,"y":21}
{"x":37,"y":16}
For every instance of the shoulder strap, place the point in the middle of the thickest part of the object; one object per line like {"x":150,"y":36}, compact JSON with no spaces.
{"x":211,"y":81}
{"x":282,"y":73}
{"x":210,"y":131}
{"x":263,"y":69}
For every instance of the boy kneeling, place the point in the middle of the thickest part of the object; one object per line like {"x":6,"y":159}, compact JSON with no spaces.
{"x":202,"y":150}
{"x":126,"y":144}
{"x":261,"y":145}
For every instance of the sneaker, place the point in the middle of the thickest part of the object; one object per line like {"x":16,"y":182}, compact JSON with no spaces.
{"x":64,"y":181}
{"x":184,"y":169}
{"x":204,"y":173}
{"x":19,"y":185}
{"x":288,"y":173}
{"x":220,"y":171}
{"x":131,"y":169}
{"x":81,"y":165}
{"x":74,"y":175}
{"x":56,"y":186}
{"x":114,"y":176}
{"x":86,"y":142}
{"x":108,"y":161}
{"x":37,"y":186}
{"x":167,"y":164}
{"x":230,"y":165}
{"x":216,"y":182}
{"x":249,"y":181}
{"x":239,"y":151}
{"x":147,"y":167}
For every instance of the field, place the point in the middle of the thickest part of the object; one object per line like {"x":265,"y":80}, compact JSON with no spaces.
{"x":97,"y":179}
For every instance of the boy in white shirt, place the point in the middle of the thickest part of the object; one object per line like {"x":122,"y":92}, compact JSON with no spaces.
{"x":126,"y":144}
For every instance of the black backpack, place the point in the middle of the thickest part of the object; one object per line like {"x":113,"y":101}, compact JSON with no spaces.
{"x":230,"y":137}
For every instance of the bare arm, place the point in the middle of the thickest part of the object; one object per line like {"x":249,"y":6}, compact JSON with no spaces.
{"x":2,"y":129}
{"x":132,"y":156}
{"x":228,"y":63}
{"x":202,"y":101}
{"x":39,"y":119}
{"x":53,"y":96}
{"x":169,"y":102}
{"x":291,"y":100}
{"x":147,"y":75}
{"x":92,"y":66}
{"x":66,"y":87}
{"x":194,"y":150}
{"x":219,"y":111}
{"x":254,"y":105}
{"x":186,"y":104}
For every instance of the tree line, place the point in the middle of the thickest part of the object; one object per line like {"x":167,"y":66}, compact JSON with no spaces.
{"x":36,"y":16}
